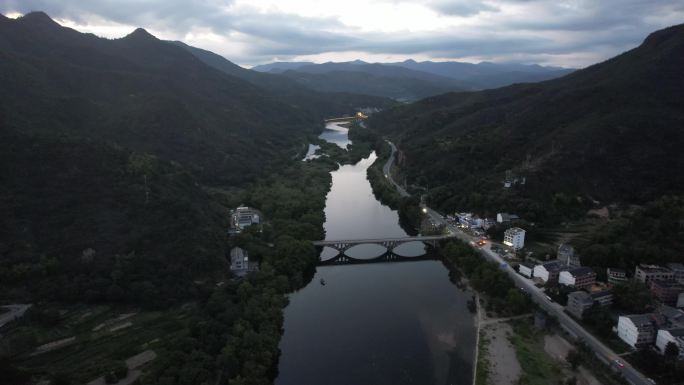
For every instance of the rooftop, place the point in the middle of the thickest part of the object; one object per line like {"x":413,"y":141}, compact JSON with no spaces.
{"x":653,"y":269}
{"x":581,"y":271}
{"x":641,"y":319}
{"x":553,"y":266}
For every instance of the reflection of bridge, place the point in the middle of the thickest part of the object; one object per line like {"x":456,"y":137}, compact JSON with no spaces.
{"x":388,"y":243}
{"x":342,"y":259}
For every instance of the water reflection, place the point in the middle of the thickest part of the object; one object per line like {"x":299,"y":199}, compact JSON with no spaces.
{"x":335,"y":133}
{"x":374,"y":323}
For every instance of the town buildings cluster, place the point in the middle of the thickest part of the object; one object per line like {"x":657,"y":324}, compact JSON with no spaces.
{"x":655,"y":329}
{"x":241,"y":218}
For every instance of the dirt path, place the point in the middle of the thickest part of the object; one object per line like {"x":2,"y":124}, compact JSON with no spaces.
{"x":503,"y":363}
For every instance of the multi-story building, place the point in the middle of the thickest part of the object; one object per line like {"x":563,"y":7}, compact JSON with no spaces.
{"x":239,"y":261}
{"x":666,"y":292}
{"x":579,"y":278}
{"x":578,"y":303}
{"x":616,"y":276}
{"x":548,"y":272}
{"x":648,"y":273}
{"x":673,"y":335}
{"x":515,"y":238}
{"x":601,"y":293}
{"x":566,"y":255}
{"x":637,"y":330}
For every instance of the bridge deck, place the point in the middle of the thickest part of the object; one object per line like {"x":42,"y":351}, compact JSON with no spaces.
{"x":380,"y":240}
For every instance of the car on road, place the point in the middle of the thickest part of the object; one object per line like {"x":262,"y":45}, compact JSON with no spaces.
{"x":619,"y":363}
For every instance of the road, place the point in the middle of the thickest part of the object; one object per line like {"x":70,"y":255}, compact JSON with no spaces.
{"x":15,"y":311}
{"x":388,"y":167}
{"x":632,"y":375}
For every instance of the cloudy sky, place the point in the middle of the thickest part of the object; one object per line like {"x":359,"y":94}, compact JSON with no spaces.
{"x":571,"y":33}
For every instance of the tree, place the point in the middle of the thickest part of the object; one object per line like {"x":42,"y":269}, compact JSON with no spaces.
{"x":671,"y":351}
{"x":574,"y":358}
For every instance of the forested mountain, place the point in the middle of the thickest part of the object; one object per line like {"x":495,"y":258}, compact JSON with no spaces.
{"x":367,"y":78}
{"x":611,"y":132}
{"x":106,"y":146}
{"x":411,"y":77}
{"x":337,"y":102}
{"x":398,"y":88}
{"x":486,"y":74}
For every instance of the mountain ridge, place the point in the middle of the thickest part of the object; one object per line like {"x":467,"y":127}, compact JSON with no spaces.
{"x":600,"y":133}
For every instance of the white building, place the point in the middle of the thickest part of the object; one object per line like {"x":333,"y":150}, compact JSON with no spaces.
{"x":580,"y":278}
{"x":505,"y":217}
{"x":526,"y":269}
{"x":515,"y":238}
{"x":566,"y":254}
{"x":239,"y":260}
{"x":548,"y":271}
{"x":674,"y":335}
{"x":245,"y":216}
{"x":637,"y":330}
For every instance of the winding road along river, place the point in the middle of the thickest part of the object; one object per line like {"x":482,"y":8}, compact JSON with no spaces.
{"x":374,"y":324}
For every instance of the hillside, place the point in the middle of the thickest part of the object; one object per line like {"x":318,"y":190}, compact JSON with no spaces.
{"x":107,"y":146}
{"x":372,"y":79}
{"x":611,"y":132}
{"x":486,"y":75}
{"x":336,"y":102}
{"x":398,"y":88}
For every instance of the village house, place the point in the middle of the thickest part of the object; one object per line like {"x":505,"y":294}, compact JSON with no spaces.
{"x":505,"y":218}
{"x":647,"y":273}
{"x":566,"y":255}
{"x":578,"y":303}
{"x":673,"y":335}
{"x":666,"y":292}
{"x":243,"y":217}
{"x":579,"y":278}
{"x":526,"y":269}
{"x":515,"y":238}
{"x":239,"y":262}
{"x":637,"y":330}
{"x":616,"y":276}
{"x":548,"y":272}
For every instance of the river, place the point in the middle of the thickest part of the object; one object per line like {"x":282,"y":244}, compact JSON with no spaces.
{"x":374,"y":324}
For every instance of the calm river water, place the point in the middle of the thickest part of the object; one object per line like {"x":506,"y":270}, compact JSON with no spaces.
{"x":374,"y":324}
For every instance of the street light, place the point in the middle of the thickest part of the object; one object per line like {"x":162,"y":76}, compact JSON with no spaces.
{"x":424,"y":210}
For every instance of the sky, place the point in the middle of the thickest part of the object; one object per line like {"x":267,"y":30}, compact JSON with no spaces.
{"x":567,"y":33}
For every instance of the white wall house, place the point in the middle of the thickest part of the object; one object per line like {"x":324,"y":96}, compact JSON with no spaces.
{"x":239,"y":259}
{"x":515,"y":238}
{"x":547,"y":271}
{"x":636,"y":330}
{"x":526,"y":269}
{"x":579,"y":278}
{"x":676,"y":336}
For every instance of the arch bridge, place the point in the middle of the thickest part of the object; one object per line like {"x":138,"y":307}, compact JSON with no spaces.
{"x":388,"y":243}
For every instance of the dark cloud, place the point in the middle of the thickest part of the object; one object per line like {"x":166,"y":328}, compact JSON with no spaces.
{"x":585,"y":29}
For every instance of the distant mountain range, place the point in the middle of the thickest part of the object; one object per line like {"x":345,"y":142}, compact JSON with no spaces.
{"x":612,"y":132}
{"x":410,"y":80}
